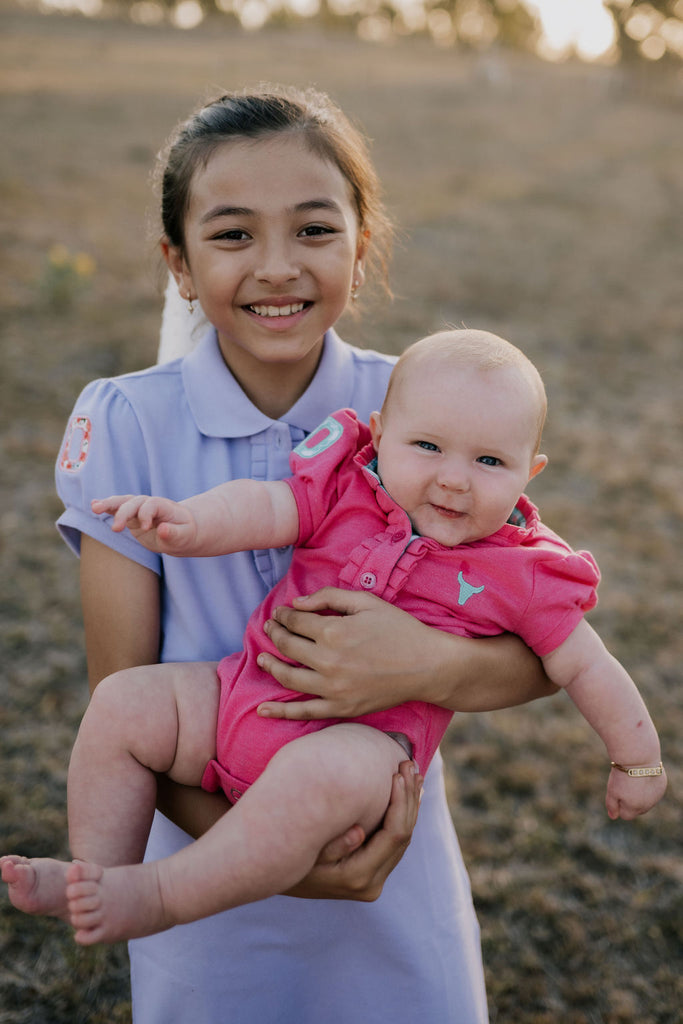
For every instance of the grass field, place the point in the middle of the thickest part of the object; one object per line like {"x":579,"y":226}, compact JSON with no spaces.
{"x":540,"y":202}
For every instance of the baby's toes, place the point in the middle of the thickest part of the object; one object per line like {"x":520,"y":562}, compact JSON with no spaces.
{"x":81,"y":871}
{"x":8,"y":863}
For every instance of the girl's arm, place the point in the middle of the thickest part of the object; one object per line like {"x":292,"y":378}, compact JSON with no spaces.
{"x":609,"y":700}
{"x":121,"y":611}
{"x":372,"y":655}
{"x":235,"y":516}
{"x":121,"y":614}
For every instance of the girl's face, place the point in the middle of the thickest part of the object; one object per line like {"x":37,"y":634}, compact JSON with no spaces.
{"x":272,"y":250}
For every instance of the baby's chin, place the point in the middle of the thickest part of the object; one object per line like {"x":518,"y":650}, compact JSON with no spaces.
{"x":446,"y":526}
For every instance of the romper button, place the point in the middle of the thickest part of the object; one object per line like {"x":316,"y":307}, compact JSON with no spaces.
{"x":399,"y":535}
{"x":368,"y":580}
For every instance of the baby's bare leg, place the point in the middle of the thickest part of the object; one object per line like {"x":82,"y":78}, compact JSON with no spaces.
{"x":158,"y":718}
{"x":313,"y":790}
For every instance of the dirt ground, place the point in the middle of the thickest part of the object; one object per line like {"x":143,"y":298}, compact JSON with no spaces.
{"x":540,"y":202}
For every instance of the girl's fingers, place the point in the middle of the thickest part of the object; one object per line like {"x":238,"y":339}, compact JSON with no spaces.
{"x":298,"y":710}
{"x":342,"y":846}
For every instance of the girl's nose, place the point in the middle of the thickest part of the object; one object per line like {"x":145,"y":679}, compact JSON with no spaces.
{"x":277,"y":265}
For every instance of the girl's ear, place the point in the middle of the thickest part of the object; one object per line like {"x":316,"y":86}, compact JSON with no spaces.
{"x":376,"y":428}
{"x":538,"y":464}
{"x":176,"y":263}
{"x":361,"y":253}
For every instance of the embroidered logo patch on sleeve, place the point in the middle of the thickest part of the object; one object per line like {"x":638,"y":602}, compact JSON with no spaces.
{"x":75,"y":450}
{"x":322,"y":438}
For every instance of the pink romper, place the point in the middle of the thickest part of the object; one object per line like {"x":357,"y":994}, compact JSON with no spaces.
{"x":523,"y":580}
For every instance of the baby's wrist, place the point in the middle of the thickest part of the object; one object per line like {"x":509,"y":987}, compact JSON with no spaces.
{"x":637,"y":751}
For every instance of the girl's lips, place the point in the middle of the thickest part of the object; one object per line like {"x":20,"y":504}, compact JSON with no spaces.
{"x":277,"y":317}
{"x":277,"y":310}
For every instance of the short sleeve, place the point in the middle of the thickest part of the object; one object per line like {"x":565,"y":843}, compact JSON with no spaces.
{"x":319,"y":465}
{"x":564,"y":588}
{"x":102,"y":453}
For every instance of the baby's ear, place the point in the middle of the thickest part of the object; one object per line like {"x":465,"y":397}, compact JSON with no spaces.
{"x":376,"y":428}
{"x":538,"y":464}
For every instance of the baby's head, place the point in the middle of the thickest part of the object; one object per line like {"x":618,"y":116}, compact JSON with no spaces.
{"x":458,"y":435}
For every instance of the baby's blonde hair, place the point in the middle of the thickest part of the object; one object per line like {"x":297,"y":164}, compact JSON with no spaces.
{"x":474,"y":350}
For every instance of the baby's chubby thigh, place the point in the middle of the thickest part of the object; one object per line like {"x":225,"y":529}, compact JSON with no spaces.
{"x":196,"y":693}
{"x":167,"y":714}
{"x":343,"y":773}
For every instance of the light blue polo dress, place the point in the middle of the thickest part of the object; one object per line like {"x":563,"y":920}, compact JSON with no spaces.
{"x":414,"y":954}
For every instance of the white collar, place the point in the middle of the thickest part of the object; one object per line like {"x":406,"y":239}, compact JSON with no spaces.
{"x":221,"y":408}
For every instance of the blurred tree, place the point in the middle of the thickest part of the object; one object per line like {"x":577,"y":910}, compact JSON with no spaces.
{"x":643,"y":29}
{"x":652,"y":28}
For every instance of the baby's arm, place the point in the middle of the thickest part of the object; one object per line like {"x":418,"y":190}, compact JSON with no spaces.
{"x":608,"y":699}
{"x":235,"y":516}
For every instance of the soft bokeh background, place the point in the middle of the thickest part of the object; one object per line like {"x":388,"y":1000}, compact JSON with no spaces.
{"x":536,"y":197}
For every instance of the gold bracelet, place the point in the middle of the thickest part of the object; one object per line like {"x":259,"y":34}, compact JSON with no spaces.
{"x":639,"y":773}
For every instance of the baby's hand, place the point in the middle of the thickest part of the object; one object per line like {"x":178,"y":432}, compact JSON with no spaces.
{"x":161,"y":525}
{"x":627,"y":797}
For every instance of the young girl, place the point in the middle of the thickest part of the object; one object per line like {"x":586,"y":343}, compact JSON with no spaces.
{"x":269,"y":206}
{"x":419,"y":514}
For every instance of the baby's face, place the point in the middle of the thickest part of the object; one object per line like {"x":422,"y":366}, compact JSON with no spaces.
{"x":456,"y":448}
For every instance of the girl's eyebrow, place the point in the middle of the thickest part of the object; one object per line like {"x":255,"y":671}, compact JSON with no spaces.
{"x":226,"y":211}
{"x":308,"y":206}
{"x":317,"y":204}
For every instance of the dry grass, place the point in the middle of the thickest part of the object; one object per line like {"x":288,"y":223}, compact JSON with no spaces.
{"x":540,"y":202}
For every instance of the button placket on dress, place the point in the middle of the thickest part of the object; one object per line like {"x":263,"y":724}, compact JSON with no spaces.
{"x":270,"y":453}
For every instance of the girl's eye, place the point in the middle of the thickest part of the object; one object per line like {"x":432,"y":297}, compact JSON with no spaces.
{"x":489,"y":460}
{"x":232,"y":235}
{"x":427,"y":446}
{"x":316,"y":230}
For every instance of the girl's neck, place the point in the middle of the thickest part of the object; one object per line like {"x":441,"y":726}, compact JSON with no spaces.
{"x":272,"y":387}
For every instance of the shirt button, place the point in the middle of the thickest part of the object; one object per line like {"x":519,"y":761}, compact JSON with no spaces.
{"x":399,"y":535}
{"x":368,"y":580}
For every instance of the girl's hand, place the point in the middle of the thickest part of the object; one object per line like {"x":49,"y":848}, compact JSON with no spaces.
{"x":368,"y":657}
{"x":348,"y":868}
{"x":161,"y":525}
{"x":371,"y":655}
{"x":628,"y":797}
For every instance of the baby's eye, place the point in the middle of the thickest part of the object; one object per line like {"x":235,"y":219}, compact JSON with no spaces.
{"x":427,"y":446}
{"x":489,"y":460}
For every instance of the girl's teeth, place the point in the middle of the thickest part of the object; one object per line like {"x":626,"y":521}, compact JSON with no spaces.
{"x":296,"y":307}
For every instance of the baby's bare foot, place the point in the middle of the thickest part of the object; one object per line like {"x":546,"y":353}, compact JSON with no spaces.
{"x":36,"y":885}
{"x":111,"y":904}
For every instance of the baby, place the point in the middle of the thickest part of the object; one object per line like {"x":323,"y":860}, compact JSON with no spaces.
{"x":423,"y":508}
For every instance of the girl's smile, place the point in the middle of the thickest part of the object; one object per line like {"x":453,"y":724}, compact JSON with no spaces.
{"x":272,"y":248}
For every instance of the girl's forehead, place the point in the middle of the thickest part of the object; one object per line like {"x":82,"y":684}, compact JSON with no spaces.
{"x":275,"y":170}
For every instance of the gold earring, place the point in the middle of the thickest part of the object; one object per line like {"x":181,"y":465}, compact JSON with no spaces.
{"x":190,"y":304}
{"x":355,"y":288}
